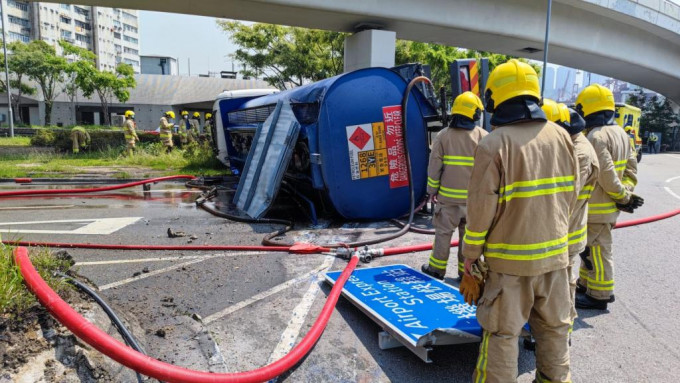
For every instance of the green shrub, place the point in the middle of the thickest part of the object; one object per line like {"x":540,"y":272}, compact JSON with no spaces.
{"x":43,"y":137}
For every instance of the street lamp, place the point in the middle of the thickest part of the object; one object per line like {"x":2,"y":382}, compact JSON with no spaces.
{"x":9,"y":93}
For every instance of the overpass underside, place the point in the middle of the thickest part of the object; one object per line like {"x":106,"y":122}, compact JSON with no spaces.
{"x":641,"y":46}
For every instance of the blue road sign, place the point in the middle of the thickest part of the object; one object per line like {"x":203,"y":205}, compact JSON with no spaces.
{"x":414,"y":308}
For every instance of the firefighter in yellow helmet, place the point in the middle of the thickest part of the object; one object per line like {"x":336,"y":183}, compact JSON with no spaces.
{"x":129,"y":129}
{"x":208,"y":127}
{"x":448,"y":174}
{"x":521,"y":193}
{"x":166,"y":130}
{"x":588,"y":167}
{"x":184,"y":128}
{"x":195,"y":123}
{"x":612,"y":193}
{"x":80,"y":138}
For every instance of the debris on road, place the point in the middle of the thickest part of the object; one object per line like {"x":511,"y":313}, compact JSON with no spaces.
{"x":175,"y":234}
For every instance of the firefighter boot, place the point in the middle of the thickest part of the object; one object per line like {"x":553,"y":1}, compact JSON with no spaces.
{"x":584,"y":301}
{"x":425,"y":268}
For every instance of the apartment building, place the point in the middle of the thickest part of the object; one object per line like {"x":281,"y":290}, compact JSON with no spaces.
{"x":111,"y":33}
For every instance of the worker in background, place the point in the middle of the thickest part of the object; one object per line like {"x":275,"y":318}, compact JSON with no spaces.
{"x":207,"y":129}
{"x":130,"y":130}
{"x":184,"y":128}
{"x":80,"y":138}
{"x":588,"y":170}
{"x":195,"y":123}
{"x":520,"y":196}
{"x":448,"y":174}
{"x":651,"y":143}
{"x":166,"y":130}
{"x":612,"y":192}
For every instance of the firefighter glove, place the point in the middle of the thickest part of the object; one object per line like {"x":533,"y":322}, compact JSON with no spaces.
{"x":635,"y":202}
{"x":584,"y":257}
{"x":472,"y":285}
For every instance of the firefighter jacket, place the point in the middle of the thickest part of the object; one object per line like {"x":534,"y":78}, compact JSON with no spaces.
{"x":618,"y":172}
{"x":521,"y":194}
{"x":166,"y":132}
{"x":451,"y":164}
{"x":129,"y":130}
{"x":589,"y":169}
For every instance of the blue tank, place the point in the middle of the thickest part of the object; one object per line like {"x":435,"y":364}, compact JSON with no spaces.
{"x":349,"y":141}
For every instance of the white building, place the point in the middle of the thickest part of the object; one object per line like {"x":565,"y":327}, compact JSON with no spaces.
{"x":162,"y":65}
{"x":111,"y":33}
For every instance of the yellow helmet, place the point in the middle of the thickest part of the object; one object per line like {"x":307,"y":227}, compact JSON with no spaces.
{"x":469,"y":105}
{"x":594,"y":98}
{"x":170,"y":114}
{"x":565,"y":115}
{"x":552,"y":113}
{"x":129,"y":114}
{"x":197,"y":115}
{"x":208,"y":115}
{"x":185,"y":113}
{"x":509,"y":80}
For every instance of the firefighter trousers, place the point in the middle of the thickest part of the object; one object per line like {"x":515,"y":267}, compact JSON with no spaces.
{"x":79,"y":140}
{"x":446,"y":219}
{"x":510,"y":301}
{"x":573,"y":280}
{"x":597,"y":273}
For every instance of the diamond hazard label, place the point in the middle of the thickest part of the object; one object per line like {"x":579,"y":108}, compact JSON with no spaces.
{"x":359,"y":138}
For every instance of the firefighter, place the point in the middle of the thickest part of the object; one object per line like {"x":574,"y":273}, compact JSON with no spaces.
{"x":207,"y":129}
{"x":448,"y":174}
{"x":612,"y":192}
{"x":166,"y":130}
{"x":195,"y":126}
{"x":588,"y":168}
{"x":80,"y":138}
{"x":651,"y":143}
{"x":521,"y":193}
{"x":184,"y":128}
{"x":129,"y":128}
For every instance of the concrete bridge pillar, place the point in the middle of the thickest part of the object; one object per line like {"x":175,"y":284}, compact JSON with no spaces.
{"x":370,"y":48}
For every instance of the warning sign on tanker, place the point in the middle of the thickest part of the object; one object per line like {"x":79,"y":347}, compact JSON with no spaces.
{"x":367,"y":150}
{"x":395,"y":147}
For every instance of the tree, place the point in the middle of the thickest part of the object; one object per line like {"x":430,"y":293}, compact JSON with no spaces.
{"x":47,"y":69}
{"x":106,"y":84}
{"x":19,"y":63}
{"x":286,"y":56}
{"x":657,"y":116}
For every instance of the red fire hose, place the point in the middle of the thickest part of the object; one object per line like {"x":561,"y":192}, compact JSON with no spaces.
{"x":92,"y":190}
{"x":146,"y":365}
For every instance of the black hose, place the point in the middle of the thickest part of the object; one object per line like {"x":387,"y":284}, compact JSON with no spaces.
{"x":117,"y":323}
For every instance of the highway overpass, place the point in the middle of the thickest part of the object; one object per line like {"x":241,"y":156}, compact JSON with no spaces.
{"x":632,"y":40}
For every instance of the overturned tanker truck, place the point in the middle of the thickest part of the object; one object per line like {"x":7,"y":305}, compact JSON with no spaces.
{"x":338,"y":142}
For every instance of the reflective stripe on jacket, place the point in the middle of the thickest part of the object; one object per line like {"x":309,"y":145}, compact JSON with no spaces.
{"x":589,"y":168}
{"x":129,"y":130}
{"x":451,"y":164}
{"x":522,"y":191}
{"x":166,"y":130}
{"x":618,"y":172}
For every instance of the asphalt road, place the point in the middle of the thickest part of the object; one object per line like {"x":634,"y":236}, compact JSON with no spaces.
{"x":255,"y":305}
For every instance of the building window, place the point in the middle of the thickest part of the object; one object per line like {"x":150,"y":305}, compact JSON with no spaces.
{"x":85,"y":26}
{"x":18,"y":4}
{"x":129,"y":16}
{"x":18,"y":36}
{"x":64,"y":19}
{"x":116,"y":35}
{"x":134,"y":63}
{"x":19,"y":21}
{"x":131,"y":51}
{"x":81,"y":11}
{"x":116,"y":23}
{"x":82,"y":38}
{"x":130,"y":28}
{"x":130,"y":39}
{"x":66,"y":6}
{"x":66,"y":35}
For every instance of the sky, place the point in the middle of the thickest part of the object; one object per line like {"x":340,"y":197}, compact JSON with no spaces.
{"x":183,"y":37}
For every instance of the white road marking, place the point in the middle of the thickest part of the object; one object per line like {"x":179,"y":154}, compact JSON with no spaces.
{"x":161,"y":259}
{"x":672,"y":193}
{"x":156,"y":272}
{"x":37,"y":207}
{"x":672,"y":179}
{"x":99,"y":226}
{"x":221,"y":314}
{"x":300,"y":312}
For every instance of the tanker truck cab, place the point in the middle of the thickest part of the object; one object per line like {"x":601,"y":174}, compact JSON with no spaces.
{"x":628,"y":117}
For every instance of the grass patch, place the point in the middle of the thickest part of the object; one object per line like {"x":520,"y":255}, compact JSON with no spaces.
{"x":15,"y":141}
{"x":14,"y":296}
{"x":195,"y":159}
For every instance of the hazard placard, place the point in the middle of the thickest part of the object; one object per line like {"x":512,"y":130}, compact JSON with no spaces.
{"x":395,"y":146}
{"x":367,"y":150}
